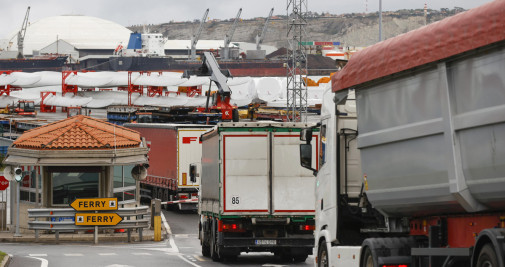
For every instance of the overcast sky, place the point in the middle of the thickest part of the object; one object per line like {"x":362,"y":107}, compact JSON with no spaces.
{"x":129,"y":12}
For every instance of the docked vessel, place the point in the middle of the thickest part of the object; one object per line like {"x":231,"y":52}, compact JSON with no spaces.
{"x":145,"y":52}
{"x":39,"y":63}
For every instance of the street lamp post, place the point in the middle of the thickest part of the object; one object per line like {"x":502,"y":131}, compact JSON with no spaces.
{"x":17,"y":234}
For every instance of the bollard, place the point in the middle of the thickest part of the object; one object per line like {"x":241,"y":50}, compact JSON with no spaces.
{"x":156,"y":213}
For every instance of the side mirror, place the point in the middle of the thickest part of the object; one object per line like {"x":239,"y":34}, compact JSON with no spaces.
{"x":306,"y":135}
{"x":192,"y":173}
{"x":306,"y":157}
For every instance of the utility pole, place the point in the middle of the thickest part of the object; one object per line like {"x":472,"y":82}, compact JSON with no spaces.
{"x":380,"y":20}
{"x":297,"y":61}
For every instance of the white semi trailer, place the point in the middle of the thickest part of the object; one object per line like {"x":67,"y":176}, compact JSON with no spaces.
{"x":254,"y":195}
{"x":414,"y":174}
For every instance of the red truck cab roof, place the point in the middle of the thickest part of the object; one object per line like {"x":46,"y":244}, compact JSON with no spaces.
{"x":460,"y":33}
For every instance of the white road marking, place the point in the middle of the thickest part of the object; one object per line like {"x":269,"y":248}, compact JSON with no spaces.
{"x":169,"y":231}
{"x":37,"y":255}
{"x":141,"y":254}
{"x":198,"y":257}
{"x":188,"y":261}
{"x":43,"y":262}
{"x":74,"y":255}
{"x":107,"y":254}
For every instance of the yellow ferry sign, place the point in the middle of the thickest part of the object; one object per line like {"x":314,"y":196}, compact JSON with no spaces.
{"x":99,"y":219}
{"x":93,"y":204}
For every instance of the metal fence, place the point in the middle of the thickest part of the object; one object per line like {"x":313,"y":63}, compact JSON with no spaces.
{"x":59,"y":220}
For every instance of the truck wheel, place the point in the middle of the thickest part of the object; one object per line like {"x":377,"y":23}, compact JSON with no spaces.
{"x":487,"y":257}
{"x":322,"y":255}
{"x":213,"y":245}
{"x":300,"y":257}
{"x":367,"y":259}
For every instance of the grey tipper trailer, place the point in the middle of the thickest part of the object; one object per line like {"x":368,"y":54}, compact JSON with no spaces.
{"x":430,"y":109}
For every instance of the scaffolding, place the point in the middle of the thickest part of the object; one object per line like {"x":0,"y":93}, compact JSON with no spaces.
{"x":297,"y":61}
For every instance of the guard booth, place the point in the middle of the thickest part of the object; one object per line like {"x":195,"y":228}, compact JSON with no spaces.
{"x":5,"y":187}
{"x":78,"y":157}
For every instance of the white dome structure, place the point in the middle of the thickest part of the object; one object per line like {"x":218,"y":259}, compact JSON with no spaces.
{"x":82,"y":32}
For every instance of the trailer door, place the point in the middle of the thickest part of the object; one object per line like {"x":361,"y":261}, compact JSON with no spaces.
{"x":293,"y":187}
{"x":245,"y":172}
{"x":189,"y":151}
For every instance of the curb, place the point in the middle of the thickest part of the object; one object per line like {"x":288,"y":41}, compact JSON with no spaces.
{"x":90,"y":238}
{"x":6,"y":261}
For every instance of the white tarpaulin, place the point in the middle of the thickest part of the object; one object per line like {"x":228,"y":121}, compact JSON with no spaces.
{"x":238,"y":81}
{"x":8,"y":101}
{"x":66,"y":101}
{"x":6,"y":79}
{"x":241,"y":91}
{"x":197,"y":101}
{"x":160,"y":101}
{"x":268,"y":88}
{"x":48,"y":78}
{"x":195,"y":81}
{"x":88,"y":80}
{"x":24,"y":79}
{"x":159,"y":80}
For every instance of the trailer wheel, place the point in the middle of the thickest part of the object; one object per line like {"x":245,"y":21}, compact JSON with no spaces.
{"x":322,"y":255}
{"x":487,"y":257}
{"x":367,"y":259}
{"x":204,"y":241}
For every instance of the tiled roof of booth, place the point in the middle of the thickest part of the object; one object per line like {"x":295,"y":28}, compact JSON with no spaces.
{"x":78,"y":133}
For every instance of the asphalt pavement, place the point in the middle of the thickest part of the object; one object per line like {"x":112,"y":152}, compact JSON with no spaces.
{"x":181,"y":247}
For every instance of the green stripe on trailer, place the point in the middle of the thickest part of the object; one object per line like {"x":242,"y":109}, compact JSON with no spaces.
{"x":262,"y":129}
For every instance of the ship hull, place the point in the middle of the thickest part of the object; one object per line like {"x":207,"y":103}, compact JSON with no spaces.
{"x":254,"y":68}
{"x":33,"y":64}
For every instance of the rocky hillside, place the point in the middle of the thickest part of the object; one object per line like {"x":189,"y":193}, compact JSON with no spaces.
{"x":349,"y":29}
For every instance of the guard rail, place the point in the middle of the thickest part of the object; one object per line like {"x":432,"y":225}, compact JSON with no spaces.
{"x":63,"y":220}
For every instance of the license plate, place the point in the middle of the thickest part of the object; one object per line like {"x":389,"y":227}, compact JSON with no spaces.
{"x":266,"y":242}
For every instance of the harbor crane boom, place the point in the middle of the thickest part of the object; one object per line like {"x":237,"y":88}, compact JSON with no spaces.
{"x":229,"y":36}
{"x":21,"y":34}
{"x":196,"y":36}
{"x":261,"y":35}
{"x":211,"y":68}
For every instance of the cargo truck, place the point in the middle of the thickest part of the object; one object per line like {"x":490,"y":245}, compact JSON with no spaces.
{"x":173,"y":147}
{"x":412,"y":169}
{"x":254,"y":196}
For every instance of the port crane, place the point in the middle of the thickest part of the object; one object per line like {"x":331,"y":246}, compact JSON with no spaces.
{"x":196,"y":36}
{"x":21,"y":34}
{"x":221,"y":100}
{"x":261,"y":35}
{"x":229,"y":36}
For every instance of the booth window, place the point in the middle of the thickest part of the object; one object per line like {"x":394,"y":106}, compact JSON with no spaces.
{"x":69,"y":184}
{"x":28,"y":186}
{"x":124,"y":184}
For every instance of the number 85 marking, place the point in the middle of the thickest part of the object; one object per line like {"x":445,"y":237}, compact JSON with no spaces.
{"x":235,"y":200}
